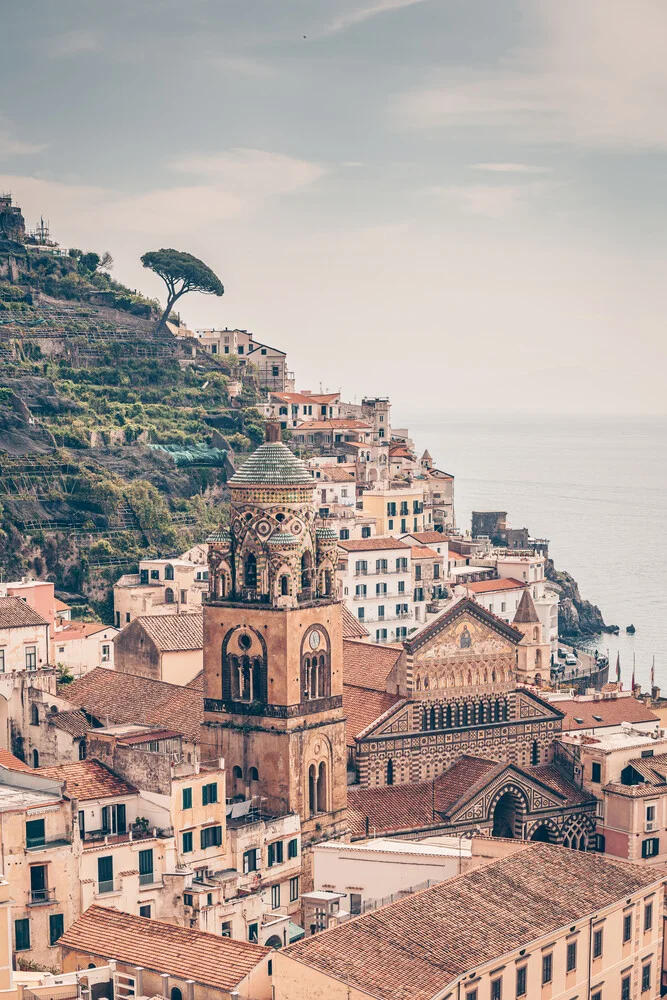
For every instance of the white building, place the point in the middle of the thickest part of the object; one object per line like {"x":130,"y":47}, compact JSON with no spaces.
{"x":375,"y":576}
{"x":82,"y":646}
{"x":24,"y":637}
{"x":500,"y":597}
{"x":161,"y":587}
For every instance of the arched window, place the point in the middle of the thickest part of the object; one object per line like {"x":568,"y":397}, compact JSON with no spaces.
{"x":35,"y":758}
{"x":237,"y":775}
{"x":322,"y":791}
{"x":306,"y":570}
{"x":176,"y":993}
{"x":284,"y":585}
{"x":250,"y":572}
{"x":538,"y":657}
{"x":390,"y":772}
{"x":34,"y":715}
{"x":536,"y":634}
{"x":381,"y":432}
{"x":315,"y":664}
{"x":254,"y":774}
{"x":168,"y":596}
{"x":169,"y":572}
{"x":432,"y":721}
{"x":312,"y":790}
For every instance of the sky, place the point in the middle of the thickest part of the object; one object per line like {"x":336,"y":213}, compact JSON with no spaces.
{"x":456,"y":203}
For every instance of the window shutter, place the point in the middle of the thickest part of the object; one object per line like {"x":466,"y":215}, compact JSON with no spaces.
{"x":258,"y":859}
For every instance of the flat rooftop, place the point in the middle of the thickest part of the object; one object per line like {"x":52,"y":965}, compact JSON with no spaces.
{"x":387,"y":845}
{"x":13,"y":798}
{"x":623,"y":740}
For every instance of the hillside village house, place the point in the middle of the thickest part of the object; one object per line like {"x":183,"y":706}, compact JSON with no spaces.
{"x":500,"y":597}
{"x":375,"y":575}
{"x":270,"y":362}
{"x":157,"y":959}
{"x":291,"y":409}
{"x":488,"y":933}
{"x":82,"y":646}
{"x":163,"y":647}
{"x":397,"y":511}
{"x":24,"y":637}
{"x":161,"y":587}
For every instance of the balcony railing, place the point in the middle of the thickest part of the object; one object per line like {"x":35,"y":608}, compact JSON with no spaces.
{"x":40,"y":897}
{"x":387,"y":618}
{"x":147,"y":878}
{"x":109,"y":885}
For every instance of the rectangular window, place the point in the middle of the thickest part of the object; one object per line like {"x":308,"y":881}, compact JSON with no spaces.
{"x":22,"y":934}
{"x":418,"y":572}
{"x":380,"y":634}
{"x":294,"y":889}
{"x":127,"y":616}
{"x":471,"y":995}
{"x":187,"y":899}
{"x":275,"y":897}
{"x":56,"y":927}
{"x":547,"y":968}
{"x":521,"y":977}
{"x":648,"y":916}
{"x":209,"y":793}
{"x":145,"y":910}
{"x":380,"y":589}
{"x":646,"y":977}
{"x":380,"y":565}
{"x":625,"y":988}
{"x":404,"y":525}
{"x":2,"y":661}
{"x":597,"y":943}
{"x":105,"y":874}
{"x":253,"y":933}
{"x":187,"y":798}
{"x":184,"y":597}
{"x":650,"y":817}
{"x":211,"y":836}
{"x":34,"y":833}
{"x":344,"y":534}
{"x":404,"y":507}
{"x":390,"y":524}
{"x":366,"y":531}
{"x":650,"y":847}
{"x":293,"y":848}
{"x":252,"y":860}
{"x":401,"y":586}
{"x":627,"y":927}
{"x":226,"y":929}
{"x":355,"y":903}
{"x":596,"y":772}
{"x":106,"y":654}
{"x":187,"y":842}
{"x":496,"y":989}
{"x":360,"y":614}
{"x":31,"y":657}
{"x":360,"y":590}
{"x":436,"y":571}
{"x":146,"y":867}
{"x":571,"y":962}
{"x":361,"y":567}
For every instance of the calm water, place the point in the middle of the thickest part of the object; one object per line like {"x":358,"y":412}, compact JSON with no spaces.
{"x":597,"y":489}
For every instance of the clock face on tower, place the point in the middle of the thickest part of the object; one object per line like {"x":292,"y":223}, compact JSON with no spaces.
{"x":314,"y":639}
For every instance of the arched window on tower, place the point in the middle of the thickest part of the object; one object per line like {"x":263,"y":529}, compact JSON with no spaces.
{"x":315,"y":665}
{"x":250,"y":572}
{"x":312,"y":790}
{"x":306,"y":570}
{"x":538,"y":657}
{"x":536,"y":634}
{"x":284,"y":585}
{"x":322,"y":792}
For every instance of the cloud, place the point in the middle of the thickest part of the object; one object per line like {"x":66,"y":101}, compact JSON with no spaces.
{"x":594,"y":75}
{"x":365,"y":13}
{"x":251,"y":172}
{"x":495,"y":201}
{"x":11,"y":146}
{"x":73,"y":43}
{"x":511,"y":168}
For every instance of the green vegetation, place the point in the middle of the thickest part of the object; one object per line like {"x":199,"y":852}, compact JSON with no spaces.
{"x":181,"y":273}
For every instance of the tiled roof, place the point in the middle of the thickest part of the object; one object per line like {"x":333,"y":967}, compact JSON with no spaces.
{"x":126,"y":698}
{"x":272,"y":464}
{"x":15,"y":613}
{"x":362,"y":706}
{"x":335,"y":475}
{"x":88,"y":779}
{"x":197,"y":682}
{"x":210,"y":960}
{"x":423,"y":552}
{"x":550,"y":775}
{"x":75,"y":722}
{"x":171,"y":633}
{"x":305,"y":398}
{"x":352,"y":627}
{"x":466,"y":605}
{"x":389,"y":808}
{"x":490,"y":586}
{"x":81,"y":630}
{"x":11,"y":762}
{"x":61,"y":606}
{"x":368,"y":664}
{"x":526,"y":613}
{"x":372,"y":544}
{"x":416,"y":947}
{"x":333,"y":424}
{"x":429,"y":537}
{"x":610,"y":712}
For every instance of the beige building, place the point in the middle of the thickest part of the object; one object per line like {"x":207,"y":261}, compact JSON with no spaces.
{"x":24,"y":637}
{"x":161,"y":587}
{"x":159,"y":959}
{"x":269,"y":362}
{"x":398,"y":511}
{"x":82,"y":646}
{"x":375,"y":582}
{"x":490,"y":934}
{"x":163,"y":647}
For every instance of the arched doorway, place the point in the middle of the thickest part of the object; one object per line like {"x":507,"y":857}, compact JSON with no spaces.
{"x":508,"y":816}
{"x":541,"y":834}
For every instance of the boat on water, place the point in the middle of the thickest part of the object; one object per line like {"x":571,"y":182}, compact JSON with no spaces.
{"x":630,"y":629}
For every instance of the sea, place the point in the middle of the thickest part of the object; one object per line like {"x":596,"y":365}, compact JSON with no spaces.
{"x":597,"y":489}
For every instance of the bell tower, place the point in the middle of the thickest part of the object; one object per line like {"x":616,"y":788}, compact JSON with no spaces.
{"x":273,"y":648}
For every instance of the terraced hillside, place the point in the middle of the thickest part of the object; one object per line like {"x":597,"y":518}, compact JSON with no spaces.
{"x":115,"y":441}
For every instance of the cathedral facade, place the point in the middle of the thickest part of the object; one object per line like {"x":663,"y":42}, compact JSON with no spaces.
{"x":273,"y":651}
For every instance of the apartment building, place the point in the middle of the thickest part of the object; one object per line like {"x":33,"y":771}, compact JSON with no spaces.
{"x":489,"y":934}
{"x":81,"y":646}
{"x":269,"y":362}
{"x":161,"y":587}
{"x":163,"y":647}
{"x":375,"y":576}
{"x":24,"y":637}
{"x":427,"y":578}
{"x":398,"y":511}
{"x":294,"y":408}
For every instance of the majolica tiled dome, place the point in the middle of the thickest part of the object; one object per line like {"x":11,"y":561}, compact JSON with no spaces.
{"x":273,"y":464}
{"x":327,"y":534}
{"x":283,"y":539}
{"x":222,"y":535}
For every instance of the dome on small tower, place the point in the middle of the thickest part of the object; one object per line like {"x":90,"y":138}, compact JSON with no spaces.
{"x":272,"y":464}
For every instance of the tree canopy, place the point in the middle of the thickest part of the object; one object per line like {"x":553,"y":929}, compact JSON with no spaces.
{"x":181,"y":273}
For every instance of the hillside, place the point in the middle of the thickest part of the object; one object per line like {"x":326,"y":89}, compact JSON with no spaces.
{"x":115,"y":442}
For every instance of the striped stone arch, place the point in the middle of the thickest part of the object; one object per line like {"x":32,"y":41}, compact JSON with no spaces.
{"x":512,"y":788}
{"x":545,"y":823}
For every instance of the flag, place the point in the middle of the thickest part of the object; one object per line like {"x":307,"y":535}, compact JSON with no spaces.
{"x":653,"y":674}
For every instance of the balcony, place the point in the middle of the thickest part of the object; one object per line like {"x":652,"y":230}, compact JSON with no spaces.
{"x":40,"y":844}
{"x":42,"y":897}
{"x":387,"y":618}
{"x":108,"y":886}
{"x":148,"y":878}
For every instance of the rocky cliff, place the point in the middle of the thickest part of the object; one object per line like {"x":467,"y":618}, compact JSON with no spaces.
{"x":577,"y":618}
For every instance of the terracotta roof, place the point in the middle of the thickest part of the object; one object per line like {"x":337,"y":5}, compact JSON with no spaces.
{"x":75,"y":722}
{"x":428,"y":537}
{"x":15,"y":613}
{"x":305,"y":398}
{"x":423,"y":552}
{"x":197,"y":682}
{"x":272,"y":464}
{"x":61,"y":606}
{"x":550,"y":775}
{"x":371,"y":544}
{"x":11,"y":762}
{"x":125,"y":698}
{"x":368,"y":664}
{"x":88,"y":779}
{"x":336,"y":475}
{"x":458,"y":557}
{"x":612,"y":712}
{"x":352,"y":627}
{"x":220,"y":963}
{"x":171,"y":633}
{"x":467,"y":605}
{"x":389,"y":808}
{"x":333,"y":424}
{"x":362,"y":706}
{"x":526,"y":613}
{"x":400,"y":451}
{"x":416,"y":947}
{"x":490,"y":586}
{"x":81,"y":630}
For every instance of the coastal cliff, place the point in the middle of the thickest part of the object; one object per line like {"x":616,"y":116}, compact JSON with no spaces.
{"x":577,"y":618}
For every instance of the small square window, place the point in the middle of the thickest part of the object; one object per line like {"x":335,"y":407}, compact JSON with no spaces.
{"x":145,"y":911}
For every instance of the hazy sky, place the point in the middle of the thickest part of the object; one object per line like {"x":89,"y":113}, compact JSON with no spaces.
{"x":459,"y":203}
